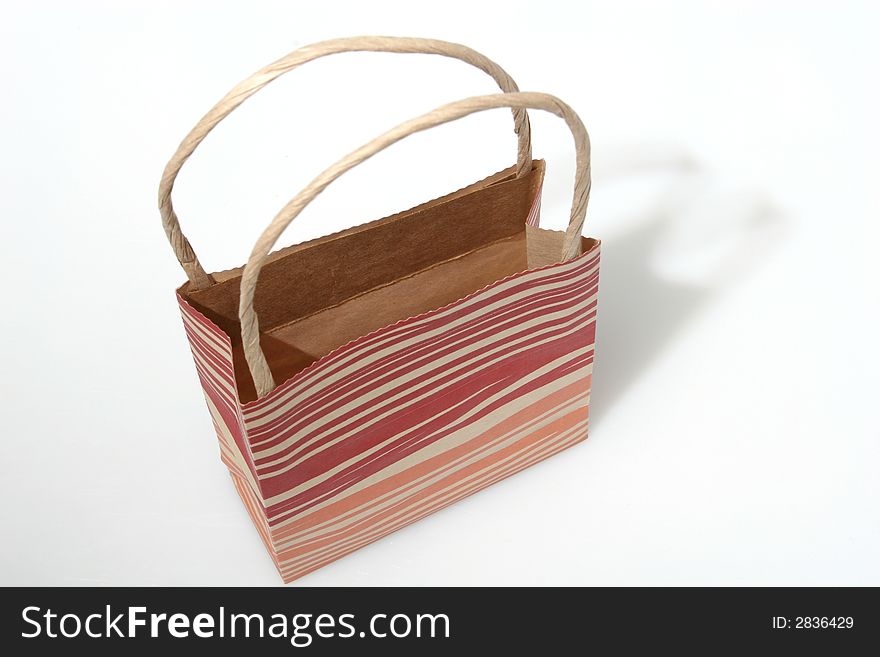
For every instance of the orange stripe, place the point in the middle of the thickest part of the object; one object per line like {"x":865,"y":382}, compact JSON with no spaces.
{"x":447,"y":484}
{"x":485,"y":480}
{"x":250,"y":504}
{"x":431,"y":466}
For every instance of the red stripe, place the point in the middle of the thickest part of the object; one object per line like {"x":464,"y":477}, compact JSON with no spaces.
{"x":426,"y":322}
{"x":512,"y":353}
{"x":478,"y":329}
{"x":476,"y":361}
{"x":439,"y":416}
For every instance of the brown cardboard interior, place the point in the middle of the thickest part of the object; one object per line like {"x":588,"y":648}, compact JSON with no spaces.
{"x":314,"y":297}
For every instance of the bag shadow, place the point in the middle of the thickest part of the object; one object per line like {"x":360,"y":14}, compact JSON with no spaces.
{"x":643,"y":309}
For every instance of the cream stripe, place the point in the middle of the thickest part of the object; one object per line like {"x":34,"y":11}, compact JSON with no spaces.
{"x":325,"y":423}
{"x":258,"y":521}
{"x":455,"y":347}
{"x":463,"y":433}
{"x":224,"y":433}
{"x":205,"y":334}
{"x":209,"y":373}
{"x":213,"y":374}
{"x":414,"y":328}
{"x":411,"y":487}
{"x":477,"y":481}
{"x":430,"y":363}
{"x":414,"y":487}
{"x":354,"y":359}
{"x":509,"y":466}
{"x":224,"y":355}
{"x":455,"y":439}
{"x":294,"y":568}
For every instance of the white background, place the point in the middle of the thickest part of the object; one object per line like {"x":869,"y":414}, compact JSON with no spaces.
{"x":735,"y":436}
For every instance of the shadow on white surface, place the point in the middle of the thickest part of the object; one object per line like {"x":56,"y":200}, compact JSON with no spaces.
{"x":660,"y":273}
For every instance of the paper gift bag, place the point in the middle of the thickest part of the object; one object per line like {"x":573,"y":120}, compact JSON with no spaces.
{"x":363,"y":380}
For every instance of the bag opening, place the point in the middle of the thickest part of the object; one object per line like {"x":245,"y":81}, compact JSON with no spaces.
{"x":315,"y":297}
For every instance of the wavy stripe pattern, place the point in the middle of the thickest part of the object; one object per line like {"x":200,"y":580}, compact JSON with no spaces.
{"x":410,"y":418}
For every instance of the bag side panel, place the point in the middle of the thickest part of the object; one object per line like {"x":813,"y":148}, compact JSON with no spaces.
{"x":534,"y":218}
{"x":212,"y":353}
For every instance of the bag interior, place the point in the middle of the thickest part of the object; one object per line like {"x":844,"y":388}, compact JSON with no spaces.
{"x":314,"y":297}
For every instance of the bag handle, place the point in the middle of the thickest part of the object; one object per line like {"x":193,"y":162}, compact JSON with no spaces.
{"x":196,"y":274}
{"x":250,"y":329}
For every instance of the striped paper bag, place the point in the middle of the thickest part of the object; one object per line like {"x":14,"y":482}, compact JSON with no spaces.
{"x":363,"y":380}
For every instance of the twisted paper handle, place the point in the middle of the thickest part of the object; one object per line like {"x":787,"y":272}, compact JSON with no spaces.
{"x":198,"y":277}
{"x":250,"y":329}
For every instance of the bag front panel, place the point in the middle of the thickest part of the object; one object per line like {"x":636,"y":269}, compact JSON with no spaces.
{"x":412,"y":417}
